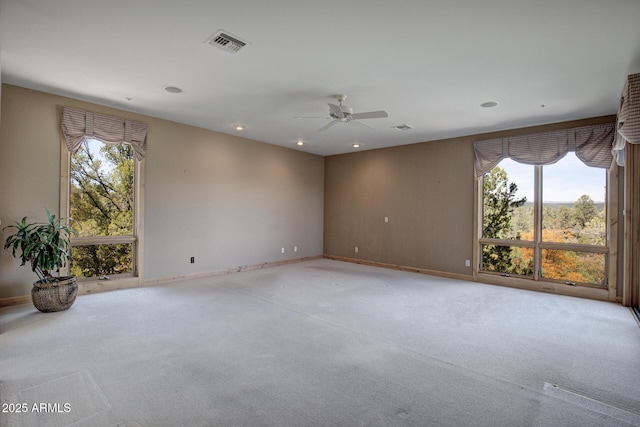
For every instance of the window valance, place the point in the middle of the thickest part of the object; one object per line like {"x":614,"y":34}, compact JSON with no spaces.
{"x":628,"y":120}
{"x":79,"y":125}
{"x":592,"y":145}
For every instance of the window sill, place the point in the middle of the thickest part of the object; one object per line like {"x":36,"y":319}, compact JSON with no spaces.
{"x":94,"y":285}
{"x":583,"y":291}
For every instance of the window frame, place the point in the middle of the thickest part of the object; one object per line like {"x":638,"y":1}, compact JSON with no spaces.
{"x":536,"y":281}
{"x":136,"y":278}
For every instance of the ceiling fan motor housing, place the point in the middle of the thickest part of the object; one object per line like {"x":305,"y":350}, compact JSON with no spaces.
{"x":345,"y":116}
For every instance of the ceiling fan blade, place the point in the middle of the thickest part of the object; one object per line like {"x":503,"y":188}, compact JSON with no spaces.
{"x":361,"y":124}
{"x":311,"y":117}
{"x":370,"y":115}
{"x":336,"y":111}
{"x":328,"y":125}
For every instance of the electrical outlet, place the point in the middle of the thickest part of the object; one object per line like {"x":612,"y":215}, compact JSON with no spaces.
{"x":282,"y":250}
{"x":467,"y":263}
{"x":193,"y":260}
{"x":295,"y":249}
{"x":356,"y":249}
{"x":386,"y":219}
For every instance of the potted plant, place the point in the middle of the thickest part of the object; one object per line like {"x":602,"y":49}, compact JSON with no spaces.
{"x":45,"y":245}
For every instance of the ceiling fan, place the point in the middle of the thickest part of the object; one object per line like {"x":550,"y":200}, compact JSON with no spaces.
{"x":344,"y":114}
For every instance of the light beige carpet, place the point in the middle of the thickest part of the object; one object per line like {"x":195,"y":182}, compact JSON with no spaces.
{"x":322,"y":343}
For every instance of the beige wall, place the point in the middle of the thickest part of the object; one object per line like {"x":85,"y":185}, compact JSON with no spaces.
{"x":226,"y":200}
{"x":427,"y":192}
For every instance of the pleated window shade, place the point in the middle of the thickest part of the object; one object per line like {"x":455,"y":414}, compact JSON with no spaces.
{"x":592,"y":145}
{"x":79,"y":125}
{"x":628,"y":120}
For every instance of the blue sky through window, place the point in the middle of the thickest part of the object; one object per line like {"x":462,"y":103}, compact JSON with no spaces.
{"x":564,"y":181}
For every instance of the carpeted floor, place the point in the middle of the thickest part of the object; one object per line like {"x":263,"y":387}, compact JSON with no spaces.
{"x":321,"y":343}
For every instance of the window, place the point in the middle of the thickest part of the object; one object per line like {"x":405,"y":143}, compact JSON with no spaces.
{"x":101,"y":202}
{"x":101,"y":187}
{"x":546,"y":222}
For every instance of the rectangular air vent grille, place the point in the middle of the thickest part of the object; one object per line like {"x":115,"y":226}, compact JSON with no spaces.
{"x":227,"y":42}
{"x":403,"y":127}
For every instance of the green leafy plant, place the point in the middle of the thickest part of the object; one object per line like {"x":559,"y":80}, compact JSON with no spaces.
{"x":44,"y":245}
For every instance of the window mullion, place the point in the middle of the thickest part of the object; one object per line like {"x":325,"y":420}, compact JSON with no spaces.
{"x":102,"y":240}
{"x":537,"y":222}
{"x":65,"y":191}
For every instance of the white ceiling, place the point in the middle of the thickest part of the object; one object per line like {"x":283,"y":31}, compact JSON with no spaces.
{"x":429,"y":64}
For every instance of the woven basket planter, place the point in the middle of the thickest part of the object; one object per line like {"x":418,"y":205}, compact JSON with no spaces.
{"x":56,"y":296}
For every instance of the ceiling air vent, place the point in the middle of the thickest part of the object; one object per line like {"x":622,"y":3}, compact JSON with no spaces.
{"x":403,"y":127}
{"x":225,"y":41}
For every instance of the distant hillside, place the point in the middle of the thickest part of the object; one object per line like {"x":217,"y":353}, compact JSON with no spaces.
{"x":556,"y":205}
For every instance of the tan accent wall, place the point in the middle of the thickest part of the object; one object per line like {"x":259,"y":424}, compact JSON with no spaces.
{"x":427,"y":192}
{"x":225,"y":200}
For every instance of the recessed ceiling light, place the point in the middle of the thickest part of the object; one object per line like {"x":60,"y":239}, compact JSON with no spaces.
{"x":355,"y":145}
{"x":173,"y":89}
{"x":489,"y":104}
{"x":128,"y":98}
{"x":300,"y":143}
{"x":403,"y":127}
{"x":543,"y":105}
{"x":239,"y":127}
